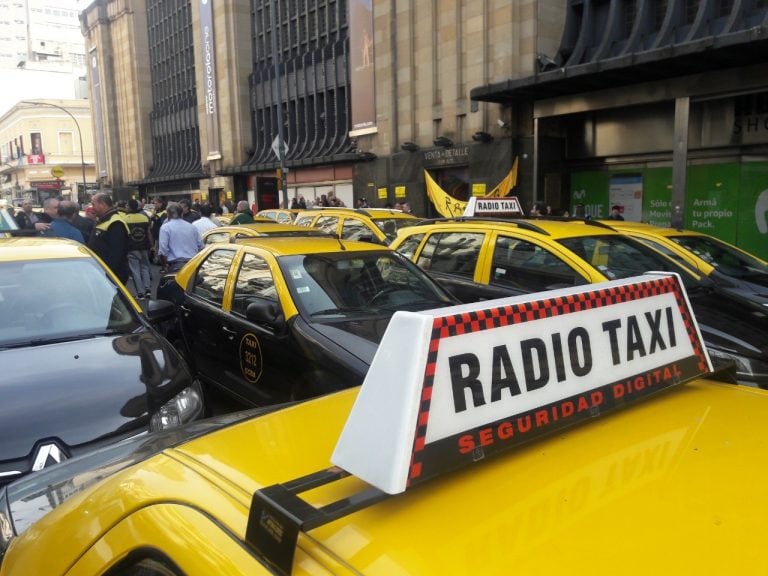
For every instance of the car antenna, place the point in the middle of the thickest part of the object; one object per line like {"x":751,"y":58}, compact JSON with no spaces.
{"x":341,"y":244}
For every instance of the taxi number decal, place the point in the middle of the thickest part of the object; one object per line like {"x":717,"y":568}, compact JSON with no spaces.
{"x":250,"y":358}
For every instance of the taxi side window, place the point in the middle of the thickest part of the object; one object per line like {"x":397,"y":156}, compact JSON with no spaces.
{"x":327,"y":224}
{"x":283,"y":218}
{"x":410,"y":245}
{"x":525,"y":266}
{"x":304,"y":221}
{"x":212,"y":275}
{"x":217,"y":238}
{"x":453,"y":253}
{"x":254,"y":280}
{"x":354,"y":229}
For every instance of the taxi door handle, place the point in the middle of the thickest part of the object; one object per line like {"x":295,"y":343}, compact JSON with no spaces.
{"x":184,"y":309}
{"x":229,"y":332}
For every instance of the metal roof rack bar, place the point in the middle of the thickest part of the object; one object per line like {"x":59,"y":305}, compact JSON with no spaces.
{"x":278,"y":514}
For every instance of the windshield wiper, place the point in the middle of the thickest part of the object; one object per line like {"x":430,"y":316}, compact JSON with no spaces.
{"x":55,"y":340}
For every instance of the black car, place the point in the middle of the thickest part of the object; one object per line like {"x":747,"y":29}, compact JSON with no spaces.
{"x":274,"y":319}
{"x":81,"y":366}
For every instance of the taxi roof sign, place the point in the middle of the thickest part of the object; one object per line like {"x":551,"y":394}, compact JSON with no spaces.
{"x":451,"y":386}
{"x":494,"y":206}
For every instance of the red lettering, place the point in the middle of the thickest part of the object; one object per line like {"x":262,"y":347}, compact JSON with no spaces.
{"x":567,"y":409}
{"x":618,"y":391}
{"x":486,"y":436}
{"x":596,"y":397}
{"x":582,"y":404}
{"x":639,"y":383}
{"x":506,"y":430}
{"x":466,"y":444}
{"x":667,"y":373}
{"x":542,"y":418}
{"x":524,"y":424}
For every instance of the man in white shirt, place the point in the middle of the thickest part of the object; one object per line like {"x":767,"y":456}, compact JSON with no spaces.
{"x":205,"y":222}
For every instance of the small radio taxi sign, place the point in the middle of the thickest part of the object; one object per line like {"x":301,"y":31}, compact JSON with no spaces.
{"x":494,"y":207}
{"x":452,"y":386}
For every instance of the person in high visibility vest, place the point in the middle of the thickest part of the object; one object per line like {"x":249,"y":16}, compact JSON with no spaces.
{"x":139,"y":243}
{"x":109,"y":239}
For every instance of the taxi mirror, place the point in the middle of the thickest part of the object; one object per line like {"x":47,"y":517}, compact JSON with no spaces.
{"x":159,"y":310}
{"x":266,"y":313}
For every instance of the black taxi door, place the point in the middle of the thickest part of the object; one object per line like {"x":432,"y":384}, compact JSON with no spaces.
{"x":261,"y":362}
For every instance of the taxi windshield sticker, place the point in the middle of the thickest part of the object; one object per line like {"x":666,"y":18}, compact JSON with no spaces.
{"x":483,"y":378}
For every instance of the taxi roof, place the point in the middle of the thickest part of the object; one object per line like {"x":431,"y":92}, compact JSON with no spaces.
{"x":269,"y":224}
{"x":629,"y":225}
{"x":372,"y":213}
{"x":310,"y":244}
{"x":554,"y":228}
{"x":662,"y":484}
{"x":38,"y":248}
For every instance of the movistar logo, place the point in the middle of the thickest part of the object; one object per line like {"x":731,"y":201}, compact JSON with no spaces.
{"x":48,"y":455}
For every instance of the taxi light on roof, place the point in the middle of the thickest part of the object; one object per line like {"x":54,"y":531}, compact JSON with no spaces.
{"x":492,"y":206}
{"x":451,"y":386}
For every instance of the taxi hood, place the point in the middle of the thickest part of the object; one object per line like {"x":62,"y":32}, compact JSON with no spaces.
{"x":63,"y":391}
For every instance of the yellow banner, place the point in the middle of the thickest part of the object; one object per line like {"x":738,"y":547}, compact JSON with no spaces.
{"x":450,"y":207}
{"x":445,"y":204}
{"x":506,"y":185}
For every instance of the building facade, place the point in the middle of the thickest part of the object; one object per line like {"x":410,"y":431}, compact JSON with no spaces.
{"x":46,"y":147}
{"x":657,"y":106}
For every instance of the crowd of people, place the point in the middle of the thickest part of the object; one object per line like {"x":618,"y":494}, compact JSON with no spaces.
{"x":130,"y":236}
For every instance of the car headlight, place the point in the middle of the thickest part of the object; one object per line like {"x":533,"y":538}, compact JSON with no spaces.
{"x":186,"y":406}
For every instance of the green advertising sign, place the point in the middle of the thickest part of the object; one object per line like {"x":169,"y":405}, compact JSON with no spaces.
{"x":711,"y":200}
{"x":657,"y":196}
{"x":591,"y":190}
{"x":752,"y":230}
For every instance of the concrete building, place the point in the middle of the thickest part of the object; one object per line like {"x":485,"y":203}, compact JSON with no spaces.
{"x":656,"y":105}
{"x":46,"y":147}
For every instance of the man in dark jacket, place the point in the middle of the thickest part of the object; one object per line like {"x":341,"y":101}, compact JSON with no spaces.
{"x":85,"y":225}
{"x":139,"y":244}
{"x":109,"y":239}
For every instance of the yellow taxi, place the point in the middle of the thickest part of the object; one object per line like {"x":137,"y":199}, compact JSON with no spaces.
{"x":281,"y":215}
{"x":367,"y":224}
{"x":482,"y":258}
{"x":730,"y":267}
{"x":275,"y":318}
{"x":255,"y":230}
{"x":518,"y":436}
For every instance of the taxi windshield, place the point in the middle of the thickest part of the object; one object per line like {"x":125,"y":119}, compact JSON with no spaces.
{"x":46,"y":301}
{"x":617,"y":257}
{"x":344,"y":284}
{"x":725,"y":258}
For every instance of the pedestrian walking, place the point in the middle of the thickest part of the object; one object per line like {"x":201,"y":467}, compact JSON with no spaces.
{"x":179,"y":241}
{"x":139,"y":245}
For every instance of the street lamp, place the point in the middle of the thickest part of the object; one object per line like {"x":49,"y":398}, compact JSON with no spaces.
{"x":79,"y":134}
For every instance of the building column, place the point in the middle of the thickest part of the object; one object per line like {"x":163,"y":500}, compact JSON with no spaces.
{"x":680,"y":160}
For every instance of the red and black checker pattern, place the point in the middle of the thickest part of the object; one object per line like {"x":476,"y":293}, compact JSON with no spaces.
{"x":478,"y":320}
